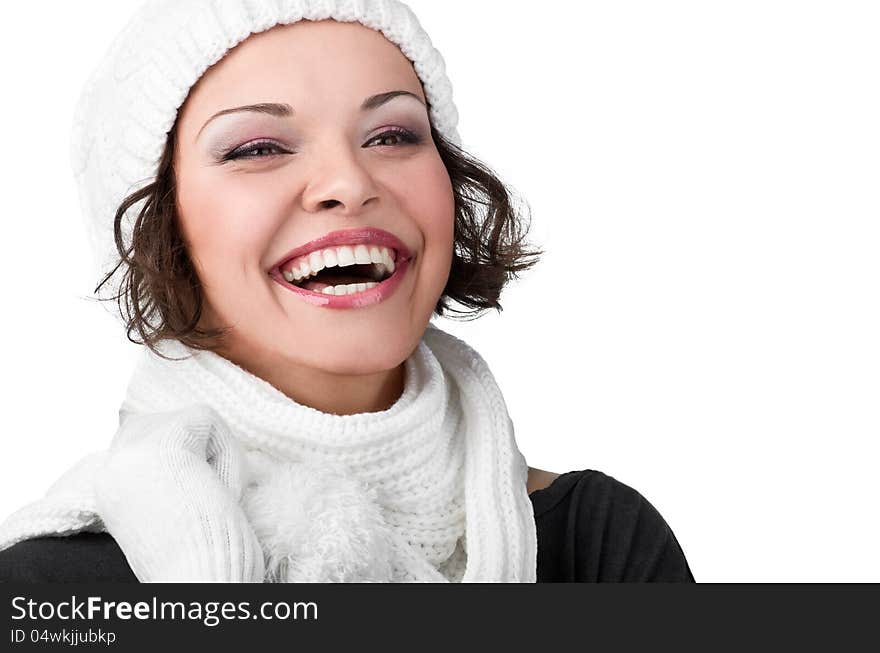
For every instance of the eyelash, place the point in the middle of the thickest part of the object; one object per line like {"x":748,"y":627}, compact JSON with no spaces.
{"x":406,"y":137}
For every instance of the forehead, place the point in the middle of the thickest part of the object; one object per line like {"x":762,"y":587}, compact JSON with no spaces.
{"x":306,"y":63}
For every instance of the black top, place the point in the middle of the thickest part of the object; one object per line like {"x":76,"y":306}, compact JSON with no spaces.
{"x":590,"y":527}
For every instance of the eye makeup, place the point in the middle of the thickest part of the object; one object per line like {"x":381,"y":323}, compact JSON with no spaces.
{"x":392,"y":136}
{"x":400,"y":137}
{"x":242,"y":136}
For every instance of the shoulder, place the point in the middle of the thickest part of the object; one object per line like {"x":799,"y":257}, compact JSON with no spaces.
{"x":82,"y":557}
{"x":592,"y":527}
{"x":539,"y":479}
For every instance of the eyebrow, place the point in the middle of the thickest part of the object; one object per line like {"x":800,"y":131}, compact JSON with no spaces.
{"x":283,"y":110}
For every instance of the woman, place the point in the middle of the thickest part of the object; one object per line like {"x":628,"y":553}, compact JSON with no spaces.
{"x":296,"y":417}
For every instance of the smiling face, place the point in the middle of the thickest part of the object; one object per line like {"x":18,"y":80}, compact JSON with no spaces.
{"x":333,"y":148}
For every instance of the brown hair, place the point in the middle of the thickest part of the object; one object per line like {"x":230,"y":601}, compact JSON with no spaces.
{"x":160,"y":294}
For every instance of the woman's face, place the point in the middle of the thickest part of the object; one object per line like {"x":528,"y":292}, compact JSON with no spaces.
{"x":255,"y":187}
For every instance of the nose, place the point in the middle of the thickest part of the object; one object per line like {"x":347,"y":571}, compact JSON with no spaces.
{"x":339,"y":179}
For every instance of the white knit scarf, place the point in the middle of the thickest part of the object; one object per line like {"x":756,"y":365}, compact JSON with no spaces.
{"x":215,"y":475}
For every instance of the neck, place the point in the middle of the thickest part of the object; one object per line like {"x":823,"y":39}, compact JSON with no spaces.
{"x":335,"y":394}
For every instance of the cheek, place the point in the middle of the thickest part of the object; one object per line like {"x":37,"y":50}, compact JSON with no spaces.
{"x":221,"y":224}
{"x":430,"y":202}
{"x":439,"y":227}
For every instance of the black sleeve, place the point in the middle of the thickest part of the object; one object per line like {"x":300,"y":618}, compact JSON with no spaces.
{"x":597,"y":529}
{"x":83,"y":557}
{"x":670,"y":566}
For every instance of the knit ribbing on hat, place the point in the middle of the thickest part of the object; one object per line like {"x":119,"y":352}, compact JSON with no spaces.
{"x":130,"y":102}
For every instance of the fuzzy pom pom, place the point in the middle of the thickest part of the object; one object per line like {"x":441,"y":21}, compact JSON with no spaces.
{"x":316,"y":523}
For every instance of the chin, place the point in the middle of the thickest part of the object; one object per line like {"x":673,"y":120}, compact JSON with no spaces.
{"x":358,"y":361}
{"x":364,"y":353}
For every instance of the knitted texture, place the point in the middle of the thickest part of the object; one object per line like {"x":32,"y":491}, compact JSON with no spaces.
{"x":166,"y":475}
{"x":131,"y":100}
{"x":431,"y":489}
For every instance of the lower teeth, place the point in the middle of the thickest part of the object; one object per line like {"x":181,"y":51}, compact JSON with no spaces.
{"x":348,"y":289}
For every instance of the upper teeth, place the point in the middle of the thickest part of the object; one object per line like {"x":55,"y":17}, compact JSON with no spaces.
{"x":343,"y":256}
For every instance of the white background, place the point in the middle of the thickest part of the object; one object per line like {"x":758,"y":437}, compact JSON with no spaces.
{"x":704,"y":326}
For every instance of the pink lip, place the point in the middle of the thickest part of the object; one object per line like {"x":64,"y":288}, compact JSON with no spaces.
{"x":367,"y":235}
{"x":369,"y":297}
{"x":374,"y":295}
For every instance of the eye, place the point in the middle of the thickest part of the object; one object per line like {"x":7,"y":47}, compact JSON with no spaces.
{"x":252,"y":150}
{"x":404,"y":136}
{"x":268,"y":149}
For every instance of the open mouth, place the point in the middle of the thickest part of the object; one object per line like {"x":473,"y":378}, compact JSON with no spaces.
{"x":341,"y":270}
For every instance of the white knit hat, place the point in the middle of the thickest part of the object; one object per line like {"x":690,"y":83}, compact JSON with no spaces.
{"x":130,"y":102}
